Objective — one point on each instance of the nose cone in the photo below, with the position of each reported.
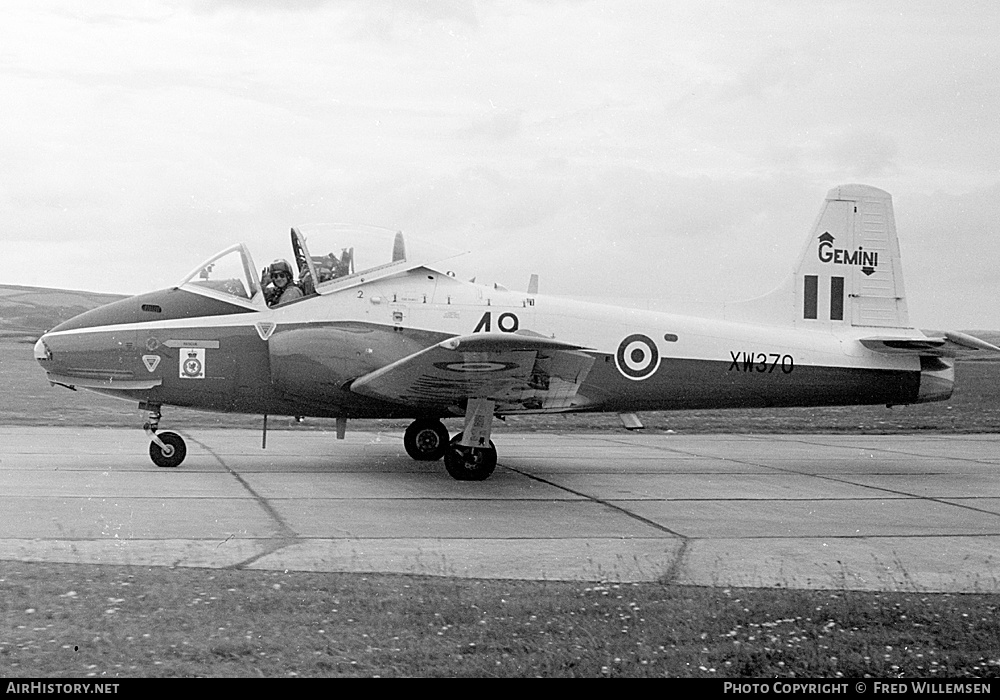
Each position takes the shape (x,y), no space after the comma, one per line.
(81,354)
(42,352)
(44,356)
(98,356)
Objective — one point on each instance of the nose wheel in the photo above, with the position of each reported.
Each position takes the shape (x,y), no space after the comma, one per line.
(165,449)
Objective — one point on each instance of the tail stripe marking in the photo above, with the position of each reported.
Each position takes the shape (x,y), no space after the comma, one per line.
(836,298)
(811,296)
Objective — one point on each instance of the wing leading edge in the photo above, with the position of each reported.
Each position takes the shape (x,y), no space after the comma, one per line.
(521,373)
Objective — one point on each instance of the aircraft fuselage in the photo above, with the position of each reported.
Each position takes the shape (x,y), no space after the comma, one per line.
(177,347)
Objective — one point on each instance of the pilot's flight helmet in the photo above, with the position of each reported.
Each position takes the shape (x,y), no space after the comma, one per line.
(280,266)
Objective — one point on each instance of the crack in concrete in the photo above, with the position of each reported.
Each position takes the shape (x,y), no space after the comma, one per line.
(286,536)
(673,571)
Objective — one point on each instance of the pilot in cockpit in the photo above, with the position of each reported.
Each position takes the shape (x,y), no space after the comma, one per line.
(278,284)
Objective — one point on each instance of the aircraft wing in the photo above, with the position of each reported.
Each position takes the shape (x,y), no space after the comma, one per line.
(951,344)
(521,373)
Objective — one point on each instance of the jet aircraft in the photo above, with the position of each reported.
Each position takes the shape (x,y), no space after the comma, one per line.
(392,334)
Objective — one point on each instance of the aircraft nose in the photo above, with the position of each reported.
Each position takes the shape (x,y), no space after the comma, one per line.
(54,352)
(42,353)
(89,357)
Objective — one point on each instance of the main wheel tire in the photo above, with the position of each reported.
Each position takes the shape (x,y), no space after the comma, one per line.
(470,463)
(174,454)
(426,440)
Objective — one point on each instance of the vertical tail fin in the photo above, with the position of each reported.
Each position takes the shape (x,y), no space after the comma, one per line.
(850,270)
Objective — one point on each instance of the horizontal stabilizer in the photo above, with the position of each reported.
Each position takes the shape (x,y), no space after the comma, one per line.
(952,344)
(925,346)
(967,341)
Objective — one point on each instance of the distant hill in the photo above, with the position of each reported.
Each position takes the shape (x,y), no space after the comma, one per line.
(27,312)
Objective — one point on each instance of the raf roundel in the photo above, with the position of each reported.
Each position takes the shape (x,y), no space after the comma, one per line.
(637,357)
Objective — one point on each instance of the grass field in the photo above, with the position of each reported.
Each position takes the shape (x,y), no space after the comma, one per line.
(109,621)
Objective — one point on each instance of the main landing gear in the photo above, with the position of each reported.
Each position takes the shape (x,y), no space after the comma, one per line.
(426,440)
(166,449)
(470,463)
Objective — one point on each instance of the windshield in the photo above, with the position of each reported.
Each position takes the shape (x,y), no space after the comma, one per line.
(228,275)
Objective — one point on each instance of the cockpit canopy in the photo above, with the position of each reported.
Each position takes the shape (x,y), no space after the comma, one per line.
(326,257)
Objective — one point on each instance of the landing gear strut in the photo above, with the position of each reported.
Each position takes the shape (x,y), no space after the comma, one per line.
(469,463)
(426,440)
(166,449)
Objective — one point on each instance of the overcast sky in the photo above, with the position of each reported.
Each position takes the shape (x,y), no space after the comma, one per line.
(651,149)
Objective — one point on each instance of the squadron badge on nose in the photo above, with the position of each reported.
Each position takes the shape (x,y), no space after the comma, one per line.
(192,363)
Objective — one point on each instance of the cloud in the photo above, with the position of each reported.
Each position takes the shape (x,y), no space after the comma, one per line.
(863,153)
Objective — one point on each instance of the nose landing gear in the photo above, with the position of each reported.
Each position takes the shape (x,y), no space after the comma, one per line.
(166,449)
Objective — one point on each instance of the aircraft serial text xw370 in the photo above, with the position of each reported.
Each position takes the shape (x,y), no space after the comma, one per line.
(394,336)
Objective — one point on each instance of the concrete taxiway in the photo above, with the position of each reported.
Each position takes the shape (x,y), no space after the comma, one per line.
(887,512)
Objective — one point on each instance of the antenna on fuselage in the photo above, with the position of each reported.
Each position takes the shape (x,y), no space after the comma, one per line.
(398,247)
(533,284)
